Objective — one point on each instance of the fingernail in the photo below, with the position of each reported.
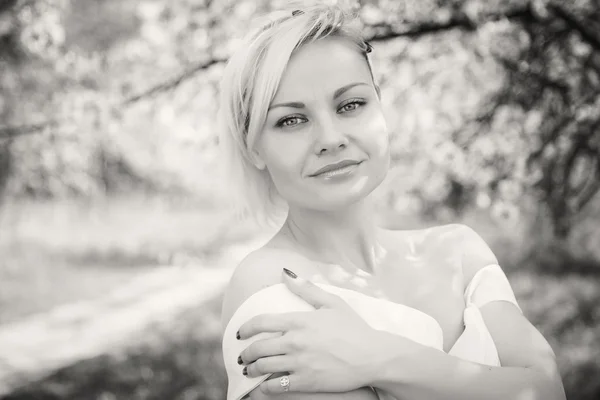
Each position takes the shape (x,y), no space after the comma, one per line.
(290,273)
(237,335)
(245,371)
(240,362)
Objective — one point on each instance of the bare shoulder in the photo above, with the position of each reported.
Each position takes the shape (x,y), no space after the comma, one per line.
(437,239)
(454,244)
(474,252)
(258,270)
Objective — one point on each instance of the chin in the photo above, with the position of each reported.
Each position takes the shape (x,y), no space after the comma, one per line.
(337,198)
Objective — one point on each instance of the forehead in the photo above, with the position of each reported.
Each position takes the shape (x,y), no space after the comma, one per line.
(323,66)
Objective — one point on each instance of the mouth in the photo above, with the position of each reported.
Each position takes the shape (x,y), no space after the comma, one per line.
(336,167)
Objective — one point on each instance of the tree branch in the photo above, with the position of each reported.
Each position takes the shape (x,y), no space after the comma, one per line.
(562,123)
(458,20)
(382,32)
(9,132)
(172,83)
(590,190)
(566,187)
(526,69)
(586,32)
(464,135)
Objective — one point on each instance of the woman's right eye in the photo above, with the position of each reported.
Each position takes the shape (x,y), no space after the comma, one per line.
(289,122)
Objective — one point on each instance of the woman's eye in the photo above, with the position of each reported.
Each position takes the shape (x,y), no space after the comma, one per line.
(351,106)
(291,121)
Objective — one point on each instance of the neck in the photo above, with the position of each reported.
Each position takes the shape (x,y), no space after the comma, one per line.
(347,237)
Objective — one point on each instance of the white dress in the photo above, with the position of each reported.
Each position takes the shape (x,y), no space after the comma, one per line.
(475,344)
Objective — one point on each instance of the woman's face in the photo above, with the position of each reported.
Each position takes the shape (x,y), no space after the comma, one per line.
(326,111)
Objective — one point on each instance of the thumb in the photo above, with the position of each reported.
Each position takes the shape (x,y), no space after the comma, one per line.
(310,292)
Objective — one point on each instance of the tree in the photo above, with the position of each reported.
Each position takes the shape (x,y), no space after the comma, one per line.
(492,102)
(547,106)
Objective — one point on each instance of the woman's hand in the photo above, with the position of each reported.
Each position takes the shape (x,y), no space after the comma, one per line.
(326,350)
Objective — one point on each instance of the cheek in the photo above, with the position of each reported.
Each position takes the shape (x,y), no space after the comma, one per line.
(376,136)
(284,157)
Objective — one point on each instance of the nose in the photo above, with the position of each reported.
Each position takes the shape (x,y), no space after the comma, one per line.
(329,137)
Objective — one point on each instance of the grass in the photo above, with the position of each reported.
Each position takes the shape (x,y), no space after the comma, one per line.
(180,362)
(556,286)
(58,252)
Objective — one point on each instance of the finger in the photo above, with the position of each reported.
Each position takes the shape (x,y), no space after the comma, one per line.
(282,322)
(269,365)
(310,292)
(273,385)
(263,348)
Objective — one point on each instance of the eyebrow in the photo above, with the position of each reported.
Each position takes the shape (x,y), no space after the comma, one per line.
(336,94)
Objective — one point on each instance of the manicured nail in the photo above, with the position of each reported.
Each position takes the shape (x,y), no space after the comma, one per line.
(237,335)
(245,371)
(290,273)
(240,362)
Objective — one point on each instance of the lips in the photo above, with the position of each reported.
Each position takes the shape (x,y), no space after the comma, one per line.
(335,166)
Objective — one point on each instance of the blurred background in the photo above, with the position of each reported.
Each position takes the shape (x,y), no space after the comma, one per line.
(115,246)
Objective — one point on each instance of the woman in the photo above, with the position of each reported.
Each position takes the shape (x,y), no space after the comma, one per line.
(334,307)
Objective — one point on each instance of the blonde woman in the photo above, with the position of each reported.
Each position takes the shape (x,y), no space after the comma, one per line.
(333,306)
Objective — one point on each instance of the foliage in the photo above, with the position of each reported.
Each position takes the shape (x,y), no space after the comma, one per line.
(493,103)
(513,90)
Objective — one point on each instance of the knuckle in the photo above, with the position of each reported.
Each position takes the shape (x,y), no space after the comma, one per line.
(288,343)
(258,367)
(246,354)
(265,388)
(265,318)
(308,285)
(296,343)
(298,321)
(254,320)
(262,322)
(294,323)
(254,323)
(299,361)
(252,352)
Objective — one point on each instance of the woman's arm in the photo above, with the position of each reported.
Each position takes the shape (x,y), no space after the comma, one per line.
(408,370)
(528,371)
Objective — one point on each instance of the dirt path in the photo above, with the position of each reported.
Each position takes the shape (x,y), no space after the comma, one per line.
(33,347)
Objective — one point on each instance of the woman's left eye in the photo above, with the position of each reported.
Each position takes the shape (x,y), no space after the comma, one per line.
(351,106)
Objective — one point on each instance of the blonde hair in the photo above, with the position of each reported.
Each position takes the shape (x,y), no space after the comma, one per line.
(249,84)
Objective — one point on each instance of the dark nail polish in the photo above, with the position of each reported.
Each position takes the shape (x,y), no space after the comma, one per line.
(290,273)
(245,371)
(237,335)
(240,362)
